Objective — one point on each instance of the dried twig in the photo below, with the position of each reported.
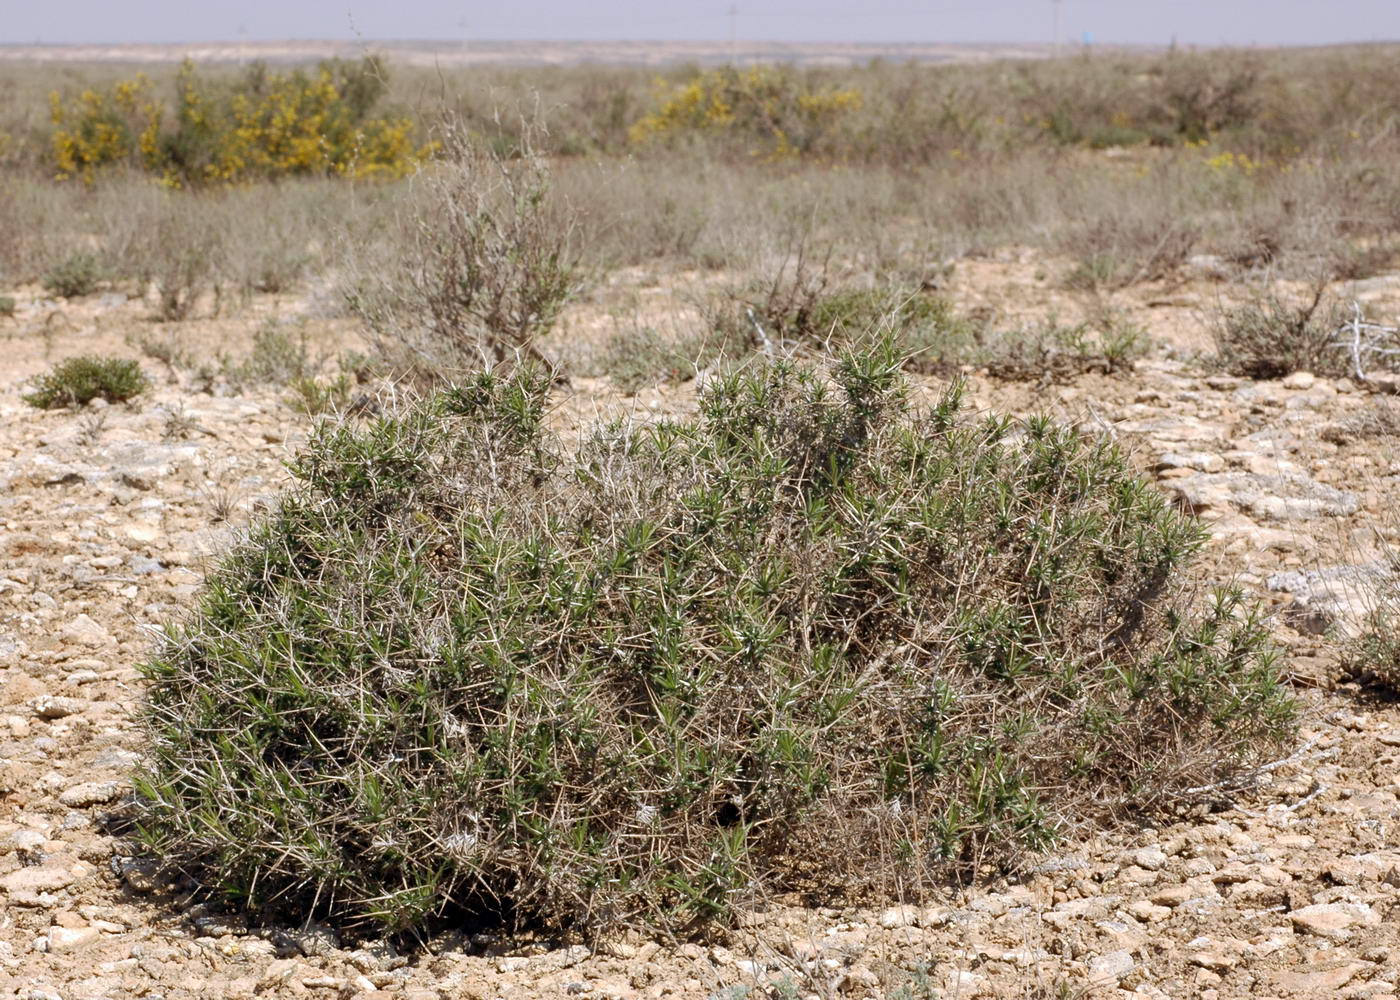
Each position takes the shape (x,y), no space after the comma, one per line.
(1365,340)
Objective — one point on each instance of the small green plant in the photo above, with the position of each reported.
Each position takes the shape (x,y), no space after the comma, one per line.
(278,357)
(165,346)
(80,273)
(315,399)
(813,633)
(1374,655)
(7,305)
(78,380)
(925,328)
(801,304)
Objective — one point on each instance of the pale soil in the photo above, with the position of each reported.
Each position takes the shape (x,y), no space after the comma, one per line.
(1288,889)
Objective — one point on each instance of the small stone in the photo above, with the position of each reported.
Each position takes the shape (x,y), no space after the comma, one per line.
(83,631)
(1333,920)
(1318,980)
(1300,380)
(1110,968)
(56,707)
(90,793)
(317,939)
(1150,858)
(35,880)
(278,973)
(70,938)
(899,916)
(139,874)
(1172,895)
(1215,955)
(1148,913)
(28,843)
(1200,461)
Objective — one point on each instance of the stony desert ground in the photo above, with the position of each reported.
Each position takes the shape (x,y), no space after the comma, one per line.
(1286,887)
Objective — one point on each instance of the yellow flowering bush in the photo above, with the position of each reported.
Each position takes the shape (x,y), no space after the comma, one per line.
(264,125)
(98,129)
(767,105)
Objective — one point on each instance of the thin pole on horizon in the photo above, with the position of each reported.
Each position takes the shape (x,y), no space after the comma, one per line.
(733,34)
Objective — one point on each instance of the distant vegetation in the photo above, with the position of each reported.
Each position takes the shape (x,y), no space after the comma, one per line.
(260,125)
(1125,167)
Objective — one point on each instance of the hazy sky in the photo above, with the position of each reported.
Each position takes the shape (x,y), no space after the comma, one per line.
(1243,22)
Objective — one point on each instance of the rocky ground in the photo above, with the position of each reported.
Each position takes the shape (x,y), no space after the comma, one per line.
(1289,888)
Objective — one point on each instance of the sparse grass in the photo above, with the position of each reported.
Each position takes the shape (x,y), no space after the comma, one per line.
(178,254)
(165,346)
(813,638)
(639,357)
(78,380)
(936,162)
(1379,420)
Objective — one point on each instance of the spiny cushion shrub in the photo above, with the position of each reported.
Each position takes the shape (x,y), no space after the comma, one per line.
(813,637)
(78,380)
(261,125)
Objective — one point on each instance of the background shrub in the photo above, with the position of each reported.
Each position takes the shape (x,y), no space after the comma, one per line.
(489,264)
(79,273)
(813,638)
(79,380)
(260,125)
(770,110)
(1270,337)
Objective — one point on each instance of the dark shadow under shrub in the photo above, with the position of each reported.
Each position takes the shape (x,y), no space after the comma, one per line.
(814,637)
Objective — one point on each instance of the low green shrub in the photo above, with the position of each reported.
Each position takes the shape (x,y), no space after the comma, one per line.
(1374,655)
(80,273)
(314,398)
(7,305)
(278,357)
(812,638)
(78,380)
